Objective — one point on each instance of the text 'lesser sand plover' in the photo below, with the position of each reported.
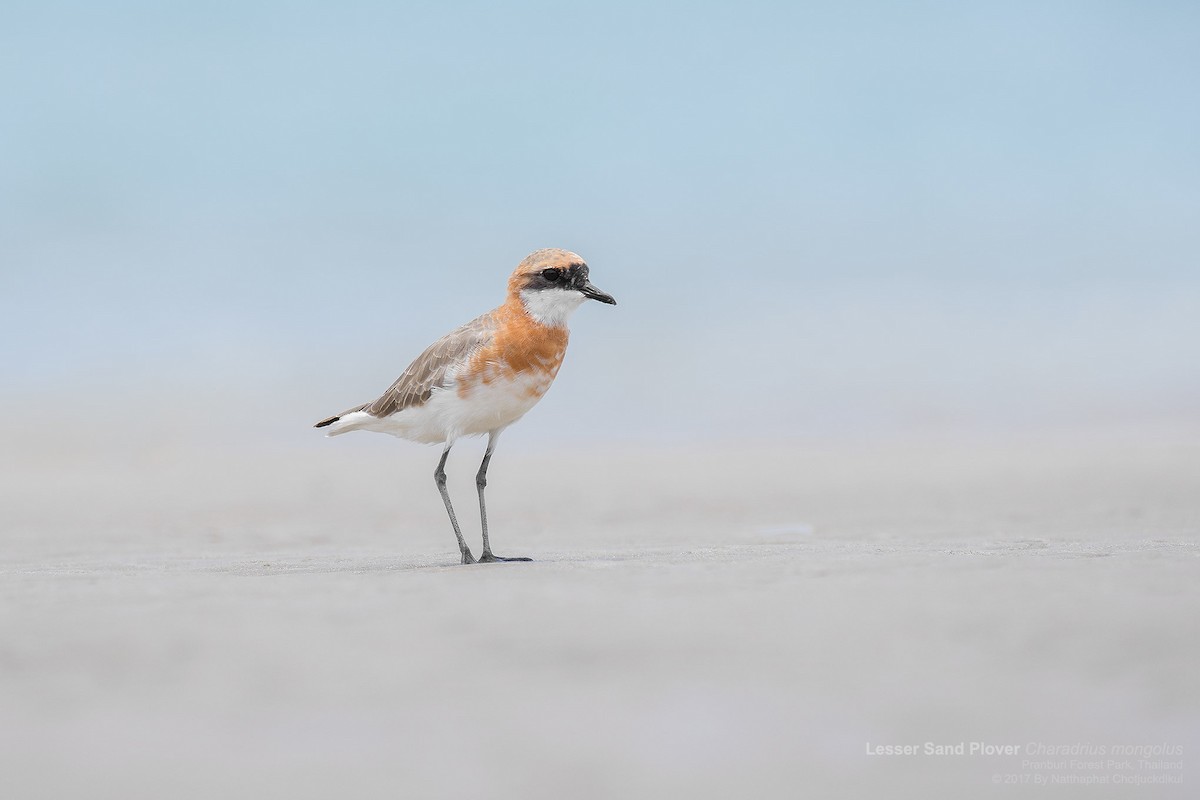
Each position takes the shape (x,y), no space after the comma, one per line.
(484,376)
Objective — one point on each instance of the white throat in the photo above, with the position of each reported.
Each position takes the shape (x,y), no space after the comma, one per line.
(552,307)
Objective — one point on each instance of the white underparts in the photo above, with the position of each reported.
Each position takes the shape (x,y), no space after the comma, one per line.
(552,306)
(448,415)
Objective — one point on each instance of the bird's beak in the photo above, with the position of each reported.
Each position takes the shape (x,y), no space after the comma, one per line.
(591,291)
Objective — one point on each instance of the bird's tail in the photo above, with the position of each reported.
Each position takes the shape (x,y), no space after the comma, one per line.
(339,423)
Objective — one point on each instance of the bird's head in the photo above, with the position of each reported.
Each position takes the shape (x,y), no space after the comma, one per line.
(552,283)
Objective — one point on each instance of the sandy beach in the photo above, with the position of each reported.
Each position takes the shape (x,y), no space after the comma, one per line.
(726,620)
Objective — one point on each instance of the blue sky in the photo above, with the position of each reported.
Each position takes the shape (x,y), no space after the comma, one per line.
(834,215)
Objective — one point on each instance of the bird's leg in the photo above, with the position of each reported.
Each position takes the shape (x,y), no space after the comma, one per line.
(439,476)
(480,483)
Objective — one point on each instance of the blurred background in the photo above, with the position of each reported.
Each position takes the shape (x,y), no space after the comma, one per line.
(893,437)
(819,218)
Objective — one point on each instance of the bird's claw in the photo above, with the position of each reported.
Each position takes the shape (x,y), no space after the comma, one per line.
(491,558)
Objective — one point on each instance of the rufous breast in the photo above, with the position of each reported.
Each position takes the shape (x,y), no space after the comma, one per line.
(523,356)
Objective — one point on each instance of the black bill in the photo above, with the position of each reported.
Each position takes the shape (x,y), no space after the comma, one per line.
(595,294)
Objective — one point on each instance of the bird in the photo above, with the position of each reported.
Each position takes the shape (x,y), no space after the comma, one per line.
(483,376)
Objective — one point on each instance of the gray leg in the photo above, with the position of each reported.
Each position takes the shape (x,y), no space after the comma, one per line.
(480,483)
(439,476)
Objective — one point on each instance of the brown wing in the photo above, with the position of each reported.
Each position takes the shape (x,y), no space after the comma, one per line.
(428,372)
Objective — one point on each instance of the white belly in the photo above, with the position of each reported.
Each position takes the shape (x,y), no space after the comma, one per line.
(448,415)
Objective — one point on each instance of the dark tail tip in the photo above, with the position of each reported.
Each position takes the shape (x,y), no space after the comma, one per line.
(325,422)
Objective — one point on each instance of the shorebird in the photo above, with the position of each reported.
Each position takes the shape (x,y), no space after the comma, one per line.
(484,376)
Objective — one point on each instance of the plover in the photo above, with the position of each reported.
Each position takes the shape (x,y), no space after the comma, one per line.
(484,376)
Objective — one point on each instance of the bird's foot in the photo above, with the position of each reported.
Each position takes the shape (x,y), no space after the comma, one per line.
(467,558)
(491,558)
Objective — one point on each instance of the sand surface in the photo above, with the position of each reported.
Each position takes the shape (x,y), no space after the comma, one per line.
(725,620)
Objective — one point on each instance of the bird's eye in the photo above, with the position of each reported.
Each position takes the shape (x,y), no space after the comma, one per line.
(551,274)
